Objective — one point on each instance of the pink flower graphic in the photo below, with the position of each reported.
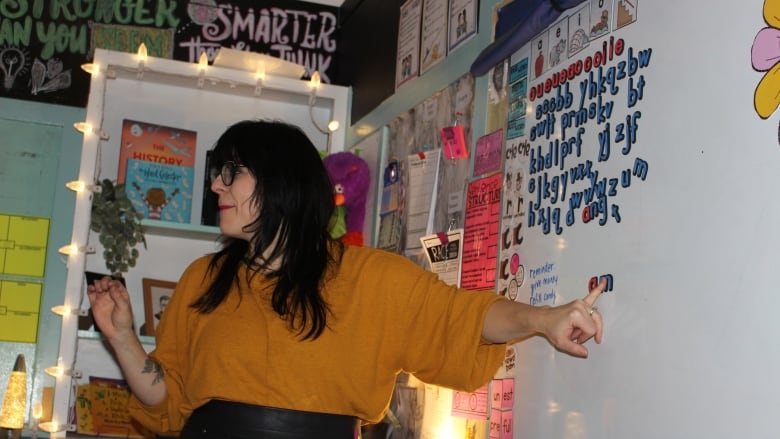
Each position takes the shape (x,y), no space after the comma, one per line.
(765,55)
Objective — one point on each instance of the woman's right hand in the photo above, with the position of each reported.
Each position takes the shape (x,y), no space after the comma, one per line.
(114,316)
(111,308)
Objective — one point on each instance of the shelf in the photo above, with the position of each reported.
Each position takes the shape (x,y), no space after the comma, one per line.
(95,335)
(180,230)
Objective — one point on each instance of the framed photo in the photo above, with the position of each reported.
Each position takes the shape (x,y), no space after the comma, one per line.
(157,294)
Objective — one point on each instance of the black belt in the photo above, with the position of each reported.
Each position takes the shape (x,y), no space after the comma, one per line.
(224,419)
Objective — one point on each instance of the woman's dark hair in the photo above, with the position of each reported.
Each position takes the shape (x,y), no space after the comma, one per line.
(295,202)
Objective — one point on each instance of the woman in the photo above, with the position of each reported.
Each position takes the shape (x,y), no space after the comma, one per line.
(287,333)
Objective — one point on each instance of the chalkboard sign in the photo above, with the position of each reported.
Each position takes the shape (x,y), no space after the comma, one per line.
(643,158)
(44,43)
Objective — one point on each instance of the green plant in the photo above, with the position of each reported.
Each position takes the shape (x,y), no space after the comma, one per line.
(118,225)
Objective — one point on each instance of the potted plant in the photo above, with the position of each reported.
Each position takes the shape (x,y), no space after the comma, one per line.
(118,225)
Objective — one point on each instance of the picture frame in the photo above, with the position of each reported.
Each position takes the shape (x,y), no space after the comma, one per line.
(157,294)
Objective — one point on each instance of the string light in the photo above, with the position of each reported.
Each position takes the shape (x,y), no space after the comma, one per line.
(80,186)
(58,371)
(315,81)
(91,68)
(142,52)
(54,427)
(72,249)
(260,75)
(63,310)
(86,128)
(142,55)
(203,64)
(37,413)
(260,72)
(314,84)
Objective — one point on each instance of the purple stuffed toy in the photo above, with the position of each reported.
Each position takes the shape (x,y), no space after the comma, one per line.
(350,177)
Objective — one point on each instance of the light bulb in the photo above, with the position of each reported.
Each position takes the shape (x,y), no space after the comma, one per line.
(314,82)
(70,249)
(333,125)
(142,53)
(55,371)
(86,128)
(63,310)
(76,186)
(203,62)
(80,186)
(260,72)
(59,371)
(83,127)
(92,69)
(51,427)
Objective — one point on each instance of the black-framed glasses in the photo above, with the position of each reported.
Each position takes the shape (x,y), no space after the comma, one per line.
(227,172)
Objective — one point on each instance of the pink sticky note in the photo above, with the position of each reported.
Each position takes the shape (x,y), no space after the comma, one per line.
(507,421)
(496,394)
(495,424)
(508,393)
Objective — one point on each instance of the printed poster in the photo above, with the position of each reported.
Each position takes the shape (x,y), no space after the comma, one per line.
(480,238)
(423,185)
(487,157)
(463,22)
(407,63)
(443,251)
(433,45)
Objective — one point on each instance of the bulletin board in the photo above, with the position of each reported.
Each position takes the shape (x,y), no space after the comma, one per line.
(417,131)
(641,158)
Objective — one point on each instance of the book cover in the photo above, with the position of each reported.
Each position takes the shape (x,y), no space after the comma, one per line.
(157,144)
(159,191)
(101,409)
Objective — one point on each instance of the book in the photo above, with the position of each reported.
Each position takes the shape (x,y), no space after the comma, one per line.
(156,164)
(155,143)
(160,192)
(101,409)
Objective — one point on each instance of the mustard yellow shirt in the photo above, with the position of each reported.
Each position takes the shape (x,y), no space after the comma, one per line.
(388,316)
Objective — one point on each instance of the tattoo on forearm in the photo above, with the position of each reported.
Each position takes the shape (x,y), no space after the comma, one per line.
(152,366)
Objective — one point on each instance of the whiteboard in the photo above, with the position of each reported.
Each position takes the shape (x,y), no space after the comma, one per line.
(690,347)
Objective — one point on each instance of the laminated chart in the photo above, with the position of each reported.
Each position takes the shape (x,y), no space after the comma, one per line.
(20,304)
(23,241)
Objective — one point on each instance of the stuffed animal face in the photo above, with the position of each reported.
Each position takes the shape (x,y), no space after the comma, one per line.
(350,177)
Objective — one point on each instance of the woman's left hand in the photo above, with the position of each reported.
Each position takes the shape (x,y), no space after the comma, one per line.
(569,326)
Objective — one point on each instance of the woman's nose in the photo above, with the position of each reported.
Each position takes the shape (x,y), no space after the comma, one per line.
(216,185)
